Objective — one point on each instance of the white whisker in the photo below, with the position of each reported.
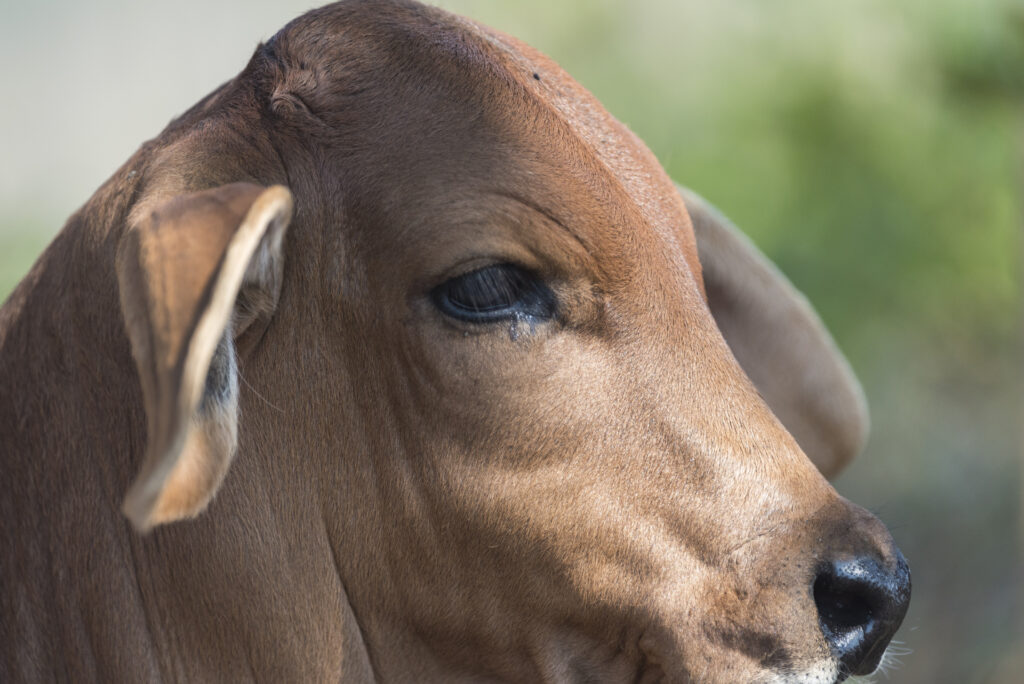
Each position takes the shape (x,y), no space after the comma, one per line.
(890,662)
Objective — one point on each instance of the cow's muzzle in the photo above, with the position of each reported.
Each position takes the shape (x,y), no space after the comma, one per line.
(861,603)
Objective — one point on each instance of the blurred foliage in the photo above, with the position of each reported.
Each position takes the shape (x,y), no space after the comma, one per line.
(873,148)
(19,248)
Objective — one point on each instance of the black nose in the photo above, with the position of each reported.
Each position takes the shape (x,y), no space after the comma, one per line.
(860,606)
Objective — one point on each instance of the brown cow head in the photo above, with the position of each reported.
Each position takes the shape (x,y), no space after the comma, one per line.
(484,361)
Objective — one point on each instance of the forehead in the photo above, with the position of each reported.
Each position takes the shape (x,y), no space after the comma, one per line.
(458,107)
(621,173)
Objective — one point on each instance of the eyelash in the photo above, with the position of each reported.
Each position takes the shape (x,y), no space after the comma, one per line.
(495,293)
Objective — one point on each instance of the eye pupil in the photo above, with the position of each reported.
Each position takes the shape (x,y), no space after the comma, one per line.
(494,293)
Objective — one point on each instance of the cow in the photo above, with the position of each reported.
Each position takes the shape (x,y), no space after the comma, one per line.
(397,358)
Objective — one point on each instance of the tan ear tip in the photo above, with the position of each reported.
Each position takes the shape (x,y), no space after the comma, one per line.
(146,512)
(138,510)
(280,198)
(142,503)
(280,191)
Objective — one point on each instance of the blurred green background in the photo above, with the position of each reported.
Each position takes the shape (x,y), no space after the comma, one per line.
(873,148)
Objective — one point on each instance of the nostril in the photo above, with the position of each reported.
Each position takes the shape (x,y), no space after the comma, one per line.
(860,606)
(840,609)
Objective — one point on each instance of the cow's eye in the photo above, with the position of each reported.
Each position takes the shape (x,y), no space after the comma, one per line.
(495,293)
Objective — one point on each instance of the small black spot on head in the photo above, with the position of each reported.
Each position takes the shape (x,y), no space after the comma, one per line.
(536,76)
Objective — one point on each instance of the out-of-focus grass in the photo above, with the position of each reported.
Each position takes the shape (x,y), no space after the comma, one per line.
(873,149)
(21,242)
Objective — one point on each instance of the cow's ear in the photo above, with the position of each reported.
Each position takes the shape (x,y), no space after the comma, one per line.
(193,272)
(780,342)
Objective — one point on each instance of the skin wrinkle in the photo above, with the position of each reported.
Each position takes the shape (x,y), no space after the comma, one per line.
(599,497)
(546,213)
(362,640)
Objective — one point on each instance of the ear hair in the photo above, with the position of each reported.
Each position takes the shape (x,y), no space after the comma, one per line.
(180,271)
(780,342)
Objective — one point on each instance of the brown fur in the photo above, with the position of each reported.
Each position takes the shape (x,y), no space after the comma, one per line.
(604,497)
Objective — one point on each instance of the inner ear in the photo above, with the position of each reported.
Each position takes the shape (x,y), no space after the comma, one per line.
(196,272)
